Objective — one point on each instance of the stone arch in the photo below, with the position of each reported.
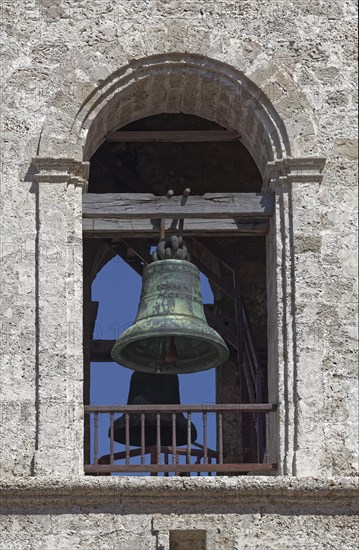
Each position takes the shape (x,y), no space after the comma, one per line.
(76,125)
(188,83)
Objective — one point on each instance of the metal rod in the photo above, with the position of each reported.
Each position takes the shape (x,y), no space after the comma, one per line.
(180,233)
(250,362)
(127,423)
(174,442)
(142,438)
(239,321)
(205,454)
(162,229)
(95,439)
(189,438)
(185,194)
(111,439)
(158,434)
(220,438)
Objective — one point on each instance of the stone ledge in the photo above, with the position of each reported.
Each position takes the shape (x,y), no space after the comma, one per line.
(100,491)
(61,170)
(293,170)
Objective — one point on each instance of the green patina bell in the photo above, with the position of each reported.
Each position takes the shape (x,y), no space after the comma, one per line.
(170,334)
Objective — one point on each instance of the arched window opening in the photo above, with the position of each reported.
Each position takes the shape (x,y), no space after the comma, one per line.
(160,156)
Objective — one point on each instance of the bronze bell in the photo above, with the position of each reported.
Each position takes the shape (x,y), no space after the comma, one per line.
(149,389)
(170,334)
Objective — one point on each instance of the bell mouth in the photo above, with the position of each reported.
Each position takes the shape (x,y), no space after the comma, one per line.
(143,349)
(151,432)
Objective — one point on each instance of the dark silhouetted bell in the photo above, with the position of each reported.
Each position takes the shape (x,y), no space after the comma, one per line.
(153,389)
(170,334)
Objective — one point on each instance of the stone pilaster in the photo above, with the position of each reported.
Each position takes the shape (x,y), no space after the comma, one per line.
(294,296)
(59,368)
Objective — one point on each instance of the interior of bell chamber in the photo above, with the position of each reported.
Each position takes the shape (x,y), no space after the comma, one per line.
(204,167)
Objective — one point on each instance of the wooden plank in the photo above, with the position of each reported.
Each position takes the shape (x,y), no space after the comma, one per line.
(111,227)
(146,205)
(173,136)
(212,407)
(250,467)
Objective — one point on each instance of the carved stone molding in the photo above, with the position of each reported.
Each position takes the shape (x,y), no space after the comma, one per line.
(253,490)
(291,170)
(61,170)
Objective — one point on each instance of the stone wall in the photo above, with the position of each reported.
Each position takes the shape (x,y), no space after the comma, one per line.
(283,75)
(138,514)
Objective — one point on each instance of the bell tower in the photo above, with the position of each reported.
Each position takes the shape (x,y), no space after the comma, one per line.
(222,130)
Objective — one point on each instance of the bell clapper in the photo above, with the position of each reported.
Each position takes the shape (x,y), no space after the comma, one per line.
(172,355)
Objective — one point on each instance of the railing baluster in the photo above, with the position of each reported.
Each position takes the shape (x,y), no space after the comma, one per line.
(111,439)
(166,474)
(260,426)
(158,434)
(198,457)
(189,438)
(266,459)
(220,438)
(174,442)
(95,439)
(205,453)
(153,460)
(127,424)
(142,438)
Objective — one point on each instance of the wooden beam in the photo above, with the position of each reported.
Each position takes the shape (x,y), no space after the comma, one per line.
(112,228)
(173,136)
(148,206)
(180,468)
(211,265)
(100,351)
(122,250)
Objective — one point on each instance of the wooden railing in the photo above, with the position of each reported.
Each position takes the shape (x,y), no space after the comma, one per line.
(158,458)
